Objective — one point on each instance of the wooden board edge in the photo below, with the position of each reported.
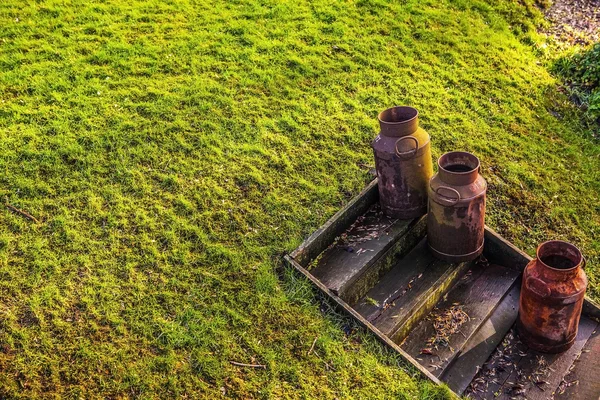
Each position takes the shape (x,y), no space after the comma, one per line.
(426,301)
(342,305)
(501,251)
(591,309)
(364,281)
(324,236)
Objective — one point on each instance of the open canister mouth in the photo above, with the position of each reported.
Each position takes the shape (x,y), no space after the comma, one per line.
(398,121)
(559,256)
(458,168)
(398,115)
(458,162)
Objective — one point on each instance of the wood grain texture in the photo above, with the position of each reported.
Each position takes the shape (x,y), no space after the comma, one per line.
(370,276)
(502,252)
(374,272)
(527,373)
(391,293)
(409,291)
(481,345)
(316,243)
(583,381)
(371,236)
(478,293)
(444,276)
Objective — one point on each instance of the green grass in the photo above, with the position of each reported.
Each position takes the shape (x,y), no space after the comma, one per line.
(174,150)
(580,70)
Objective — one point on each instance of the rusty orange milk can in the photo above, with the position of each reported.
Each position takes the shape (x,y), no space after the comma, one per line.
(403,163)
(455,221)
(552,295)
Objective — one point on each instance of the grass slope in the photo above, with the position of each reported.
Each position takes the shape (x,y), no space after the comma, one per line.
(173,150)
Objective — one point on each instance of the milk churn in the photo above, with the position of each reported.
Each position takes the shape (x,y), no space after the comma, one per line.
(403,163)
(455,220)
(552,295)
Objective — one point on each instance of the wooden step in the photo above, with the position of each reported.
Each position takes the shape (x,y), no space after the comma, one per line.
(474,298)
(582,382)
(514,371)
(409,291)
(355,262)
(480,346)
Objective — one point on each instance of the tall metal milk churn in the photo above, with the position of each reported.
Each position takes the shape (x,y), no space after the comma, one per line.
(403,163)
(552,296)
(455,220)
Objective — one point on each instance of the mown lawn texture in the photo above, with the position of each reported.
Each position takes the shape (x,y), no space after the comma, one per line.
(172,151)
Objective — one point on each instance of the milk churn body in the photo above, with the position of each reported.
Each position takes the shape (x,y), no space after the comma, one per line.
(455,220)
(403,163)
(552,296)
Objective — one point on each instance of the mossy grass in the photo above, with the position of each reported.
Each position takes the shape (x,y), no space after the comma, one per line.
(174,150)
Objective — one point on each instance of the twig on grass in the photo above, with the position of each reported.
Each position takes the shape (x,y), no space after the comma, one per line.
(19,211)
(248,365)
(312,347)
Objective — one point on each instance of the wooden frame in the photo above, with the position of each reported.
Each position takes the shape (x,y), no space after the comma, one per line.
(497,249)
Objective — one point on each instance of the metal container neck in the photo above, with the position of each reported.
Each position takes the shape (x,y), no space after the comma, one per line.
(560,261)
(458,168)
(398,121)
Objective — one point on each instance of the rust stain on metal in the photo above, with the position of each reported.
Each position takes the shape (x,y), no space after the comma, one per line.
(403,163)
(455,220)
(552,296)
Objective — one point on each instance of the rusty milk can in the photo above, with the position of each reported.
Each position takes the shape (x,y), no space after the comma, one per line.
(403,163)
(455,220)
(552,295)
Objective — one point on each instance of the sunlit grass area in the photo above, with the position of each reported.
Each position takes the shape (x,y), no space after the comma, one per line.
(173,151)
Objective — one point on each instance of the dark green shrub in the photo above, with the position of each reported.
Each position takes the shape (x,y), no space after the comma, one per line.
(581,73)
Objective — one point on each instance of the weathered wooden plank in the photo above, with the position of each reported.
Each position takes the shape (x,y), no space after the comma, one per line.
(372,235)
(479,347)
(476,295)
(370,276)
(502,252)
(345,307)
(396,286)
(582,382)
(591,309)
(497,368)
(441,277)
(316,243)
(409,291)
(527,373)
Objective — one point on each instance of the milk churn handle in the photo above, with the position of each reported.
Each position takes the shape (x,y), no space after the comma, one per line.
(538,286)
(453,201)
(410,153)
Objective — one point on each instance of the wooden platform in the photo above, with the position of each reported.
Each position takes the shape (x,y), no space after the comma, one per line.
(454,322)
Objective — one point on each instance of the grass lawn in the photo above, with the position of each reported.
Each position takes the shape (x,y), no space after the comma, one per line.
(173,150)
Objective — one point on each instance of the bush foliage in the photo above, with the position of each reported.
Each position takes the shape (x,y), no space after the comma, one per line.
(581,73)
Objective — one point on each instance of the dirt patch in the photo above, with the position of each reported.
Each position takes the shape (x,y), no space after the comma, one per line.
(28,318)
(574,22)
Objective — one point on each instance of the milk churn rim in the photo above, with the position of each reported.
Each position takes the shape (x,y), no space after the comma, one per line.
(406,121)
(460,152)
(581,258)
